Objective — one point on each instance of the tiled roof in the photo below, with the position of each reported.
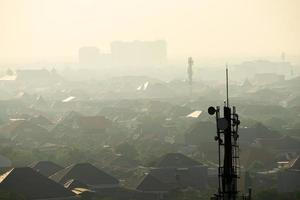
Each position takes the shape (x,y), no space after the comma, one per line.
(176,160)
(47,168)
(86,173)
(31,184)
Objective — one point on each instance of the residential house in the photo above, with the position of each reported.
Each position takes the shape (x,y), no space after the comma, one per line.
(289,179)
(47,168)
(174,171)
(165,179)
(42,121)
(24,132)
(86,173)
(32,185)
(200,132)
(84,125)
(286,144)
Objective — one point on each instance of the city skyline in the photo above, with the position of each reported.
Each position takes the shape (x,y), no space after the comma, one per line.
(33,30)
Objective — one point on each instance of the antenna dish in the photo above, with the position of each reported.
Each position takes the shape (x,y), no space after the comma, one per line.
(211,110)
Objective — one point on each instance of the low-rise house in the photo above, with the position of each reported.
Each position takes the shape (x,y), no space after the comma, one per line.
(174,171)
(286,144)
(200,132)
(86,173)
(47,168)
(249,135)
(24,131)
(118,113)
(262,155)
(176,160)
(93,124)
(166,179)
(289,179)
(84,125)
(32,185)
(42,121)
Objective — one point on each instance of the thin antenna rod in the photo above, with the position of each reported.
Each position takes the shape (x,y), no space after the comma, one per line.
(227,98)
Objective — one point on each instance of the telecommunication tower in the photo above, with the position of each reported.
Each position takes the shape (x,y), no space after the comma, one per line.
(190,70)
(190,74)
(228,148)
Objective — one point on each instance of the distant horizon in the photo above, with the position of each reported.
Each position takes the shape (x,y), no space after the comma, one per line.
(73,59)
(40,29)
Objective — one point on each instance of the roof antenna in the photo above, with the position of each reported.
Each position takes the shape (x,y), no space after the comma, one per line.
(227,96)
(228,150)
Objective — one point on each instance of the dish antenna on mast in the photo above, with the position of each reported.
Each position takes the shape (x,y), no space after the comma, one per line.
(228,148)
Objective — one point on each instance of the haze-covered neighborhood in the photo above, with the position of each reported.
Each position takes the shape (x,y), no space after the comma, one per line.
(140,137)
(149,100)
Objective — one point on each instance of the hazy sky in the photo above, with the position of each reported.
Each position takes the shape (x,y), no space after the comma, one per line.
(50,28)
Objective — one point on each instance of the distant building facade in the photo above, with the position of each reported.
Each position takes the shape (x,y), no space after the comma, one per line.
(264,69)
(126,54)
(139,53)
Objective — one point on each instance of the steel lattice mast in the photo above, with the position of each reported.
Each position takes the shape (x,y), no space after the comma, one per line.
(228,148)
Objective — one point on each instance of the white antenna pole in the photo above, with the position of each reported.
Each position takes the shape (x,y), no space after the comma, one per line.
(227,96)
